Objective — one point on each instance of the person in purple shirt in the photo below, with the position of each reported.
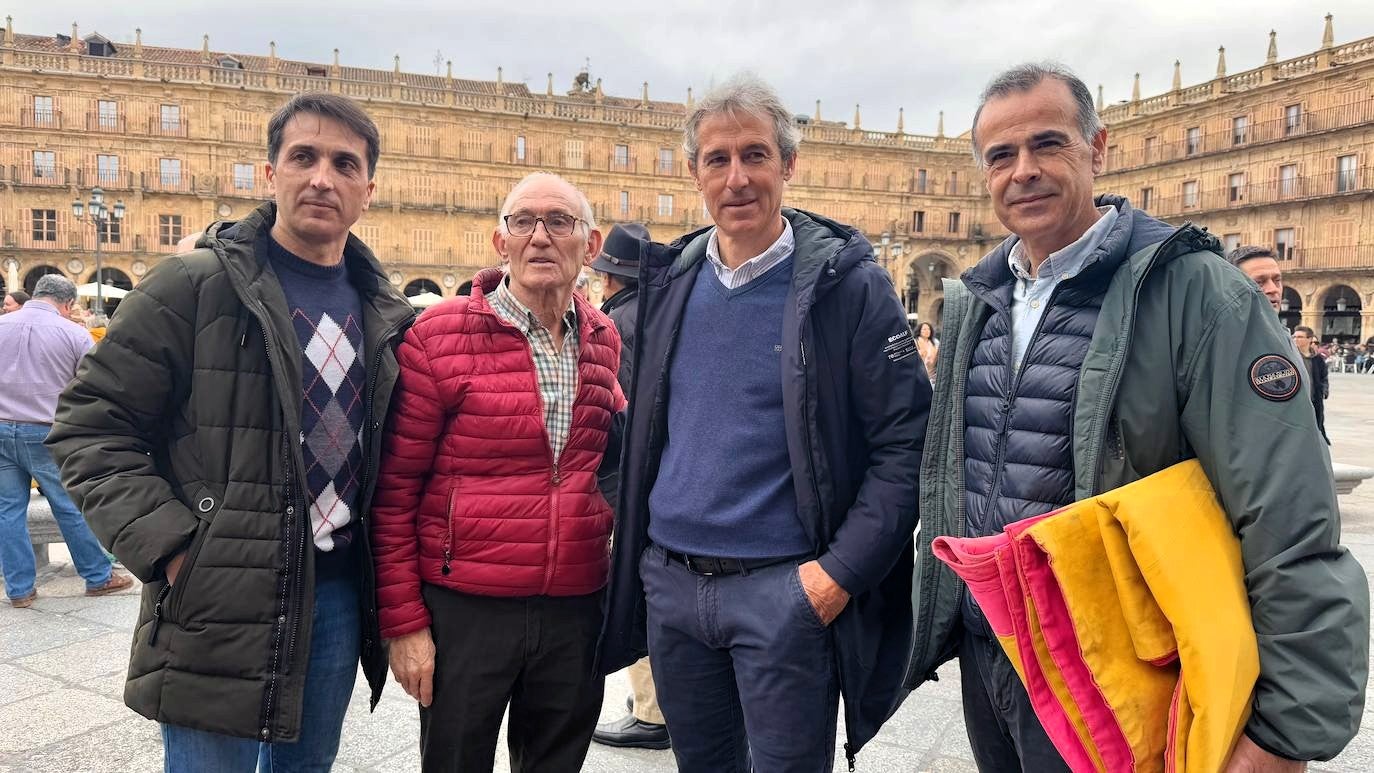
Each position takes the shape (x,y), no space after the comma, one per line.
(39,351)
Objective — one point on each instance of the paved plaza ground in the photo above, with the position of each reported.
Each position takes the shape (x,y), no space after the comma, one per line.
(62,671)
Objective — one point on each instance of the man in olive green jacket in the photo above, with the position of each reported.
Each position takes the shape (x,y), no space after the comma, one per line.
(223,442)
(1148,349)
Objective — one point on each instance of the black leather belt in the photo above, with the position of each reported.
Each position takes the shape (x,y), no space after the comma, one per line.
(711,567)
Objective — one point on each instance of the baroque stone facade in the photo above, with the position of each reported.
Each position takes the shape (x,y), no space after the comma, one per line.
(179,136)
(1279,154)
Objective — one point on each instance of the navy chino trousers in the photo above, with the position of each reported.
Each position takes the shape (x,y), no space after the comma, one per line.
(746,673)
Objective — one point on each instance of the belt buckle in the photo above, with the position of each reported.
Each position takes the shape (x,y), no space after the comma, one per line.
(692,567)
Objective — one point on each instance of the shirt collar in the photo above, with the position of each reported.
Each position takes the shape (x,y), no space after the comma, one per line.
(41,306)
(1068,261)
(521,314)
(780,249)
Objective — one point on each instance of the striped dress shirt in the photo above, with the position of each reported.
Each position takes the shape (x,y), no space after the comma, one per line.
(754,267)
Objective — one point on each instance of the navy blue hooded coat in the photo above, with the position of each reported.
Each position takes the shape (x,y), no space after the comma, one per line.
(855,397)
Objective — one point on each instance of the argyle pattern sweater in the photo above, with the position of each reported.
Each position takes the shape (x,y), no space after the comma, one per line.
(326,312)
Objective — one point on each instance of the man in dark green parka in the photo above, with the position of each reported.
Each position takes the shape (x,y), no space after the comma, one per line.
(223,443)
(1097,346)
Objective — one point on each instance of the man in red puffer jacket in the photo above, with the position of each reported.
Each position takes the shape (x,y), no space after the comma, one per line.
(491,538)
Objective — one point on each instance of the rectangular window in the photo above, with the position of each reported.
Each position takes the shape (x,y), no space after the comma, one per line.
(43,112)
(1292,119)
(665,205)
(45,225)
(572,154)
(422,188)
(369,234)
(665,160)
(1113,159)
(954,183)
(473,194)
(1147,198)
(1345,174)
(472,244)
(922,179)
(107,169)
(169,172)
(1240,130)
(520,148)
(1235,187)
(918,221)
(110,231)
(422,242)
(171,118)
(1283,243)
(1190,193)
(1230,242)
(1193,140)
(1288,180)
(168,230)
(243,177)
(621,158)
(624,203)
(1150,143)
(107,114)
(44,165)
(954,222)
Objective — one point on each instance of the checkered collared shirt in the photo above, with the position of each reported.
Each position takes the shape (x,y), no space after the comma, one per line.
(556,370)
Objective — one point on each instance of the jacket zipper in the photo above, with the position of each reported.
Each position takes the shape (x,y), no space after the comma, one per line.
(374,427)
(1118,365)
(157,613)
(958,527)
(1009,400)
(286,596)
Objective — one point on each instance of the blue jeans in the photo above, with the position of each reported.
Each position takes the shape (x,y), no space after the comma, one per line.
(329,677)
(24,458)
(746,673)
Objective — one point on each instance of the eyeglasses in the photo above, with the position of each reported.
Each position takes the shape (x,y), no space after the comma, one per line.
(522,224)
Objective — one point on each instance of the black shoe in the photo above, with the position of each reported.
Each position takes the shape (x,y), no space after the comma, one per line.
(632,734)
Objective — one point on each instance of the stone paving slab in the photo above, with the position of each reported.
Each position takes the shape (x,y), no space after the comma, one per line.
(62,664)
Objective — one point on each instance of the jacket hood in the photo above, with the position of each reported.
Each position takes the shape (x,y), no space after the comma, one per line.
(1133,231)
(825,251)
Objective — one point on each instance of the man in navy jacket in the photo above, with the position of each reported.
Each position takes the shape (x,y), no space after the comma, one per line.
(768,484)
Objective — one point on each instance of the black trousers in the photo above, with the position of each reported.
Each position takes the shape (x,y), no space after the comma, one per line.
(1002,727)
(534,654)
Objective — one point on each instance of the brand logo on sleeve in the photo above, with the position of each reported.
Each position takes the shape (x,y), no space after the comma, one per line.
(1274,377)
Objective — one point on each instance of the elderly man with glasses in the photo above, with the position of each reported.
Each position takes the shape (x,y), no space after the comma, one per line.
(491,535)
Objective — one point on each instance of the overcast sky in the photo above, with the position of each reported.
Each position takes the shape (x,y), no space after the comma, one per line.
(926,55)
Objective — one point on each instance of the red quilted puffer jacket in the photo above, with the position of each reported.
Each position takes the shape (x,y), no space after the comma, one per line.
(469,496)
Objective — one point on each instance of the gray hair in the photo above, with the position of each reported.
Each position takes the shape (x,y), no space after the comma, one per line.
(1024,77)
(587,214)
(56,287)
(748,94)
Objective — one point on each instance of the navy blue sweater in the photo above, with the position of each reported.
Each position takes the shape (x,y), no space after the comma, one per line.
(725,484)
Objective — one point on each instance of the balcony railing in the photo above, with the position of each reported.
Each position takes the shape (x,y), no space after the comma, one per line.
(98,122)
(159,127)
(40,119)
(1261,132)
(1271,192)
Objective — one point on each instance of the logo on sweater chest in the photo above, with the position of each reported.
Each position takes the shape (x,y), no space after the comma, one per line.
(1274,378)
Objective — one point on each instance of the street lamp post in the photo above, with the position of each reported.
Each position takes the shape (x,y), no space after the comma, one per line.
(97,213)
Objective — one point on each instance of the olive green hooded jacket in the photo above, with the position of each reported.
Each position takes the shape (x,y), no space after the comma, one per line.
(180,432)
(1180,366)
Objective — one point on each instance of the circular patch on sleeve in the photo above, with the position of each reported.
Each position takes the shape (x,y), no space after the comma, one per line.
(1274,377)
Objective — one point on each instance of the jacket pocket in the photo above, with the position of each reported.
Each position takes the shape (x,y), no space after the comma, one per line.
(204,505)
(446,569)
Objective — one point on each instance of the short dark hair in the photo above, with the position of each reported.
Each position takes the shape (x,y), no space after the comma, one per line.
(342,109)
(1248,252)
(20,297)
(1023,78)
(1305,329)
